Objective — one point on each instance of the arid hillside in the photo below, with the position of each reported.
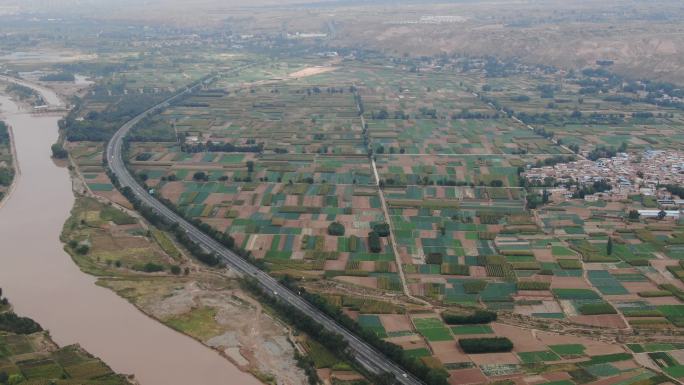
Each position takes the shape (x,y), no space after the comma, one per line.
(643,38)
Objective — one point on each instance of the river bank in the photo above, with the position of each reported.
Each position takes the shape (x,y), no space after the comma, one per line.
(48,287)
(15,166)
(198,301)
(29,354)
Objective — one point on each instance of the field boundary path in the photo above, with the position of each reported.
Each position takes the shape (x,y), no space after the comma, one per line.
(363,353)
(385,210)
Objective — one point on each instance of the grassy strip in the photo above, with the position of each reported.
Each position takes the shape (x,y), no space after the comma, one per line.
(655,293)
(166,244)
(606,358)
(476,317)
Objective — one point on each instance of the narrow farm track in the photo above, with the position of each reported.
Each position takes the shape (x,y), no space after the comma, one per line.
(364,354)
(605,334)
(388,219)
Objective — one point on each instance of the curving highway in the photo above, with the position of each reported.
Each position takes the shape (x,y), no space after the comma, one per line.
(364,354)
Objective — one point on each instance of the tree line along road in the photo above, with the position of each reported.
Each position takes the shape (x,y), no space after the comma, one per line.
(364,354)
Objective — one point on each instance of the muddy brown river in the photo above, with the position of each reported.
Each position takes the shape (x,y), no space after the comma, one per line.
(43,282)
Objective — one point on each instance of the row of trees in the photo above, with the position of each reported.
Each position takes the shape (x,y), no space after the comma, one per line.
(576,117)
(380,149)
(606,152)
(598,186)
(24,93)
(431,376)
(477,317)
(221,147)
(426,181)
(100,125)
(209,259)
(675,190)
(486,345)
(431,113)
(6,174)
(4,133)
(181,236)
(58,77)
(466,114)
(332,341)
(308,365)
(554,160)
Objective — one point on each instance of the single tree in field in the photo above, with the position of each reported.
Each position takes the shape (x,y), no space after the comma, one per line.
(200,176)
(633,215)
(336,229)
(609,246)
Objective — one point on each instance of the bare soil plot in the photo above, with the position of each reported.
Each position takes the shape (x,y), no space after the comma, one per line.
(494,358)
(395,322)
(523,340)
(569,283)
(311,71)
(409,342)
(607,320)
(466,377)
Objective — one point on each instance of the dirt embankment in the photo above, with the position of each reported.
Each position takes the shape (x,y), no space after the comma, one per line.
(213,310)
(205,304)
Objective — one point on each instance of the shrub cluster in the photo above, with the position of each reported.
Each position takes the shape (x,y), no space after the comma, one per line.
(10,322)
(477,317)
(435,258)
(382,229)
(58,152)
(374,244)
(336,229)
(474,286)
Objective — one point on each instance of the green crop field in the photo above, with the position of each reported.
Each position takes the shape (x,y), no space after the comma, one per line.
(675,371)
(418,353)
(541,356)
(575,294)
(471,329)
(448,169)
(432,329)
(568,349)
(380,176)
(372,322)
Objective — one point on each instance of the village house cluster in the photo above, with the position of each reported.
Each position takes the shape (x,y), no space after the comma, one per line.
(627,174)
